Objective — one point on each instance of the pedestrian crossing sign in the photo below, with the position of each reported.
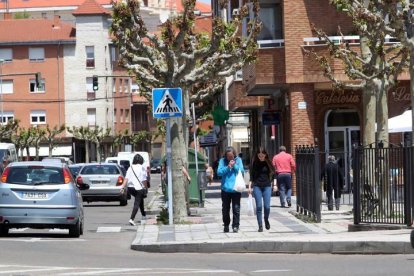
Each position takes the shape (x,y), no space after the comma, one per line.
(167,102)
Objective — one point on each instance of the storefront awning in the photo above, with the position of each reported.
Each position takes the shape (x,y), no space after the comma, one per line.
(44,151)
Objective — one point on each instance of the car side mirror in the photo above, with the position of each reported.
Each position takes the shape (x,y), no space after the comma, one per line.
(83,186)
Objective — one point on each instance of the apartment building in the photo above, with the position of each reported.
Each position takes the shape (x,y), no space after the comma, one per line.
(289,100)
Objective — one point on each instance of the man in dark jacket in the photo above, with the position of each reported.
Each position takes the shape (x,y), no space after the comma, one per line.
(333,182)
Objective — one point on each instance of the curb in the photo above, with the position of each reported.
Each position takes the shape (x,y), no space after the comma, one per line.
(284,247)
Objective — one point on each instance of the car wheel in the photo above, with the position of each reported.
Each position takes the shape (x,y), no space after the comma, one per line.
(4,231)
(123,202)
(81,228)
(75,230)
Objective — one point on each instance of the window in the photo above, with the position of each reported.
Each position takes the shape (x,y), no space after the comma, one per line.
(126,85)
(34,89)
(126,115)
(38,117)
(91,116)
(6,55)
(7,116)
(114,85)
(90,56)
(36,54)
(271,17)
(6,87)
(89,85)
(121,116)
(114,115)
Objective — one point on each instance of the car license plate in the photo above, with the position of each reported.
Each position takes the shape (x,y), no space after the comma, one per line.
(34,195)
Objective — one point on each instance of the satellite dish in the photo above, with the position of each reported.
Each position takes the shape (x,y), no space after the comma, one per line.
(164,15)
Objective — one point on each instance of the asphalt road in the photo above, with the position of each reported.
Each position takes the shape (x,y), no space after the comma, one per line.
(104,249)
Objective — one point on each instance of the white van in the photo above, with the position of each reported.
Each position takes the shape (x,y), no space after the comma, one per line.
(8,152)
(126,155)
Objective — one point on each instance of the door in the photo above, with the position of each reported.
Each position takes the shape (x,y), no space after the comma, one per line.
(342,134)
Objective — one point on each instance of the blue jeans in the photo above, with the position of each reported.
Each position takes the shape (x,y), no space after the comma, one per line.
(262,197)
(284,183)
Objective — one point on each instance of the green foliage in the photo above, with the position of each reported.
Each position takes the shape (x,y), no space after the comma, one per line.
(163,216)
(21,15)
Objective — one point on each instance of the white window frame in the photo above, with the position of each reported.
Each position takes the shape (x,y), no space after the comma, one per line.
(6,54)
(37,54)
(126,86)
(7,116)
(90,56)
(6,87)
(91,115)
(114,85)
(89,85)
(38,115)
(121,116)
(33,88)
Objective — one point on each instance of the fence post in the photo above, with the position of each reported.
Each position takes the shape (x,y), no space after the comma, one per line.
(317,186)
(357,190)
(408,186)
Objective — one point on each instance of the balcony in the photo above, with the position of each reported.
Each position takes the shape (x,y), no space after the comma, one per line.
(139,126)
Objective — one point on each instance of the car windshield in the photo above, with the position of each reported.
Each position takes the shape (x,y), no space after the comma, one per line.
(155,162)
(75,169)
(35,175)
(100,169)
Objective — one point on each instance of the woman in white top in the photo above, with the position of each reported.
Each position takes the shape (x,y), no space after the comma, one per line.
(136,179)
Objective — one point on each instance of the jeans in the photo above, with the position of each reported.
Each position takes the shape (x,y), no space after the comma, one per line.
(139,196)
(284,182)
(234,199)
(262,197)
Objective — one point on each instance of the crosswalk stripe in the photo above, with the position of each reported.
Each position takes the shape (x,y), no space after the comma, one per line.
(102,229)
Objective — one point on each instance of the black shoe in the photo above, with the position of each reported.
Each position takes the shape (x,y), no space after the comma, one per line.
(260,229)
(289,203)
(235,229)
(226,229)
(267,224)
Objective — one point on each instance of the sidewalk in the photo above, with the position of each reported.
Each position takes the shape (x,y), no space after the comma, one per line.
(204,233)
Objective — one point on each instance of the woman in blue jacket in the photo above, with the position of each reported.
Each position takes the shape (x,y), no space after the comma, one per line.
(228,168)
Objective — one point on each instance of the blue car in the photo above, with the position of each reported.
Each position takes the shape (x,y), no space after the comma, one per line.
(40,195)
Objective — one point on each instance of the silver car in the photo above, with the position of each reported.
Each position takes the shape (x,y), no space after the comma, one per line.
(40,195)
(104,180)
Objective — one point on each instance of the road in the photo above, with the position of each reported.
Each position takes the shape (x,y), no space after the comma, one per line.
(104,249)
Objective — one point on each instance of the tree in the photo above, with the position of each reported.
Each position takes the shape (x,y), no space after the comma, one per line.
(51,134)
(37,135)
(82,133)
(7,130)
(375,68)
(97,135)
(180,57)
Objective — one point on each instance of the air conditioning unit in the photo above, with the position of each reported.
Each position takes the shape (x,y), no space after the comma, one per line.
(235,12)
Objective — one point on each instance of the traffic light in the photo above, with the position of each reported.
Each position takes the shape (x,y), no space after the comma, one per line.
(38,80)
(95,86)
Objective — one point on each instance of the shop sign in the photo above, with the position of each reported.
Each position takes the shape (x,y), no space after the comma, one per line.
(337,97)
(401,94)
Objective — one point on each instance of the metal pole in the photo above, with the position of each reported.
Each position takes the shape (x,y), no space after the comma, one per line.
(169,176)
(200,201)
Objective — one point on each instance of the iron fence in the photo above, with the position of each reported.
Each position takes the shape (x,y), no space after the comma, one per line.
(383,181)
(308,181)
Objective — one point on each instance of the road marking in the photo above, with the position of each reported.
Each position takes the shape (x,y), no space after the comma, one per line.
(32,270)
(270,270)
(18,229)
(102,229)
(105,271)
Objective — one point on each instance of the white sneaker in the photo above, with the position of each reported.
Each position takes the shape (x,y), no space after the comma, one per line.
(132,222)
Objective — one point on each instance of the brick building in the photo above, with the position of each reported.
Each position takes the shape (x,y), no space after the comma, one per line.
(289,100)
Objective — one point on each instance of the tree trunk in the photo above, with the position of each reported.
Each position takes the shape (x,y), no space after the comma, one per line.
(27,153)
(98,151)
(50,149)
(382,112)
(411,70)
(369,107)
(178,160)
(86,151)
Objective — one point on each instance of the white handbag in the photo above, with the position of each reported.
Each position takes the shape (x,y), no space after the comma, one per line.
(239,185)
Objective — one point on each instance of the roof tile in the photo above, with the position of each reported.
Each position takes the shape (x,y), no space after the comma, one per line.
(90,7)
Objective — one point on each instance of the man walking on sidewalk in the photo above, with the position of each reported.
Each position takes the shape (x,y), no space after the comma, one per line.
(284,167)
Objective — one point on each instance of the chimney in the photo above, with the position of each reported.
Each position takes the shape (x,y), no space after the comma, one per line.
(7,16)
(56,21)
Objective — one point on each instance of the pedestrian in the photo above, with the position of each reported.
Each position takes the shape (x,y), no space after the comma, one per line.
(228,168)
(284,166)
(136,181)
(333,182)
(261,176)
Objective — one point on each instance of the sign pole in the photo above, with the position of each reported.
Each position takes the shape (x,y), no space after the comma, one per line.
(169,176)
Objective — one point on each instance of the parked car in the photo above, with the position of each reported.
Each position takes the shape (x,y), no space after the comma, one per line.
(104,180)
(75,168)
(155,166)
(40,195)
(64,160)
